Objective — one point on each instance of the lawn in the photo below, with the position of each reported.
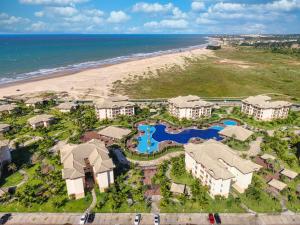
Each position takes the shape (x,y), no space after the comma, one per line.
(12,180)
(265,72)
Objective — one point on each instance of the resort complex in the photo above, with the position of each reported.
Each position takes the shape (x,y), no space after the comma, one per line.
(219,167)
(122,155)
(261,107)
(112,107)
(189,107)
(85,164)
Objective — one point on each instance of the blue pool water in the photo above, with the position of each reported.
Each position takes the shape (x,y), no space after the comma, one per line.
(229,122)
(216,127)
(149,141)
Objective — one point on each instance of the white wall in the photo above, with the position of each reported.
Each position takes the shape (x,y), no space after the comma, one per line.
(105,179)
(75,187)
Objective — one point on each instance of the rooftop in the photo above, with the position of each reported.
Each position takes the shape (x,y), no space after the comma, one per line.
(114,102)
(66,105)
(177,188)
(114,132)
(73,158)
(34,100)
(289,173)
(189,101)
(267,156)
(40,118)
(264,101)
(7,107)
(216,156)
(277,184)
(4,126)
(236,132)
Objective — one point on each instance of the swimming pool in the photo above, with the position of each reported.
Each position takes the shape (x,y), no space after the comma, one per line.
(229,122)
(149,141)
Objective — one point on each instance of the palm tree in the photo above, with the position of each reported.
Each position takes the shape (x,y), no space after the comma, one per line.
(12,167)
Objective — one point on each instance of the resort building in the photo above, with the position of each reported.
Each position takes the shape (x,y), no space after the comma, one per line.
(4,128)
(236,132)
(84,165)
(219,167)
(113,107)
(261,107)
(66,107)
(289,174)
(7,108)
(277,185)
(43,120)
(114,133)
(5,156)
(33,102)
(189,107)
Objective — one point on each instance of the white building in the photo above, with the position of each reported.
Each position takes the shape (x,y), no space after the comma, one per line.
(189,107)
(262,108)
(113,107)
(83,162)
(219,167)
(66,107)
(5,156)
(43,120)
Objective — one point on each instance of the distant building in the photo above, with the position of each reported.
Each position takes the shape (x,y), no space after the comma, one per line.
(66,107)
(178,188)
(189,107)
(277,185)
(4,128)
(43,120)
(5,156)
(219,167)
(33,102)
(289,173)
(7,108)
(85,162)
(113,107)
(261,107)
(236,132)
(115,133)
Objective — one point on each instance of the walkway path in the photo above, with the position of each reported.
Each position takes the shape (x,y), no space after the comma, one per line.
(25,178)
(94,202)
(158,161)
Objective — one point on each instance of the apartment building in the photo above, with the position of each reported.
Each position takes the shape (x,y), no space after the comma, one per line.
(219,167)
(113,107)
(189,107)
(261,107)
(85,165)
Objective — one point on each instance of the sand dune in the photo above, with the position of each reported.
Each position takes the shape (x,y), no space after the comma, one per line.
(95,83)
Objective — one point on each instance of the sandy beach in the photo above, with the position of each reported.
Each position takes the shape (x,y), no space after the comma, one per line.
(95,83)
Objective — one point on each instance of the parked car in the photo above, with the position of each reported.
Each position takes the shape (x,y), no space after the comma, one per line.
(5,218)
(137,219)
(156,219)
(217,218)
(91,217)
(211,218)
(83,219)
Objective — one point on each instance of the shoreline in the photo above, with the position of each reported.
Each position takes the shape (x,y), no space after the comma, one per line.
(101,64)
(96,82)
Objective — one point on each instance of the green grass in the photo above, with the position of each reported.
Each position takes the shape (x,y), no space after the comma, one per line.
(267,73)
(79,205)
(12,180)
(222,206)
(266,204)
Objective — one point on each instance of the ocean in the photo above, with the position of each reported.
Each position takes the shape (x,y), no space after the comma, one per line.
(27,56)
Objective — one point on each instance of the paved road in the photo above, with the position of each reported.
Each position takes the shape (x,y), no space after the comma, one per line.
(171,219)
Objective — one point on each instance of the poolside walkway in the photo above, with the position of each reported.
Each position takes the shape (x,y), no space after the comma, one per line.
(158,161)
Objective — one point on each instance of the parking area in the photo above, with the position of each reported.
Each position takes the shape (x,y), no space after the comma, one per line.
(165,219)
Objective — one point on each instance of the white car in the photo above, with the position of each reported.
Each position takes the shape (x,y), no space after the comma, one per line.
(137,219)
(83,219)
(156,219)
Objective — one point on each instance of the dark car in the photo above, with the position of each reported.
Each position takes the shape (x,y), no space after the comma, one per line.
(211,218)
(91,217)
(217,218)
(5,218)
